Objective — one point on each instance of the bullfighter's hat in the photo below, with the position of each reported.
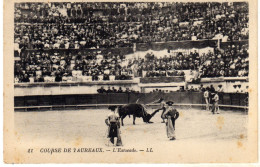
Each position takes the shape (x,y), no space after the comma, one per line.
(170,103)
(112,108)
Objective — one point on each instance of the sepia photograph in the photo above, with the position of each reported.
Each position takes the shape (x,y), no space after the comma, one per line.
(130,82)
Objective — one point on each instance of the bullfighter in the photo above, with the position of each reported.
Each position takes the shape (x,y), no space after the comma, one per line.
(171,114)
(113,124)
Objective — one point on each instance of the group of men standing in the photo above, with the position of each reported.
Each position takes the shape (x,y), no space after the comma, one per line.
(211,97)
(169,116)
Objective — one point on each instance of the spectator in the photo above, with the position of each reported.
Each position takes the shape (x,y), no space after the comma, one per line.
(39,78)
(109,90)
(58,78)
(211,89)
(120,90)
(25,78)
(114,90)
(101,90)
(201,88)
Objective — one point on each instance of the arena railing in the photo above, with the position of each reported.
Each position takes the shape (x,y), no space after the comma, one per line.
(190,99)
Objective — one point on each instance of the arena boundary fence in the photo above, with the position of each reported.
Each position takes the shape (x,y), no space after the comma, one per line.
(192,99)
(75,107)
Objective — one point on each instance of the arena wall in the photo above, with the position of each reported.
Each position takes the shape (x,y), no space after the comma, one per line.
(69,88)
(143,85)
(238,100)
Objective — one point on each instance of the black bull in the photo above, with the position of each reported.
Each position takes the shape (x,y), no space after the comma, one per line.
(137,110)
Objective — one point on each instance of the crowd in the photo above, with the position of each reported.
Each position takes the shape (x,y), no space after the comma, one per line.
(96,65)
(114,90)
(100,25)
(231,62)
(64,66)
(169,65)
(48,28)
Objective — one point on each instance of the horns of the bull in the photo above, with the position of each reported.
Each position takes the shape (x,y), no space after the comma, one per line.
(149,116)
(154,112)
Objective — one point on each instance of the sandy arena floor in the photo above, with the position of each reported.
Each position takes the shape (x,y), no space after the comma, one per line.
(84,126)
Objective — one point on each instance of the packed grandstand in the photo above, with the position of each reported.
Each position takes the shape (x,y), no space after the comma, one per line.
(63,42)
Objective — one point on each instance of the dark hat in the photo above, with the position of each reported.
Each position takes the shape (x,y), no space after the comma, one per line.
(170,103)
(112,108)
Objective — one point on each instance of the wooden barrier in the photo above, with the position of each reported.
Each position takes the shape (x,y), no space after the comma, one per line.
(191,98)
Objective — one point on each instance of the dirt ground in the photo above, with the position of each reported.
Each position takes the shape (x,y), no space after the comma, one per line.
(88,126)
(201,137)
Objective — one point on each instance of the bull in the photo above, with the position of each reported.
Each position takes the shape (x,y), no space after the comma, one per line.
(137,110)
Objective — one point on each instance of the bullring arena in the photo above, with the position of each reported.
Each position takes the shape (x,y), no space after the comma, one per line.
(88,124)
(73,60)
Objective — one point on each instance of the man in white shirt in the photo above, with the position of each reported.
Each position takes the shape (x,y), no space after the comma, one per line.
(206,97)
(215,99)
